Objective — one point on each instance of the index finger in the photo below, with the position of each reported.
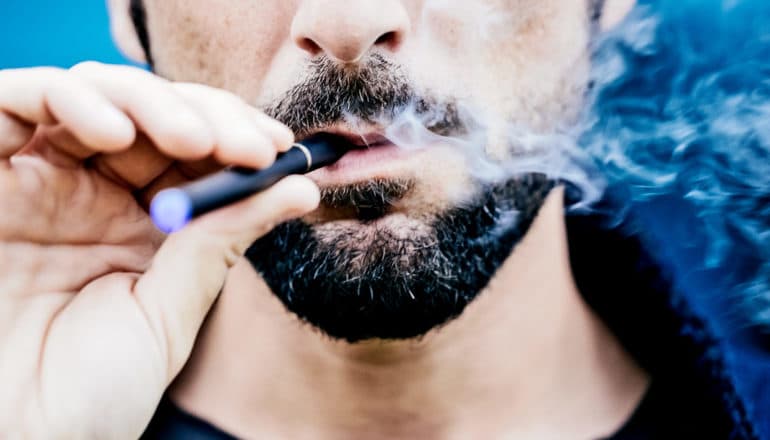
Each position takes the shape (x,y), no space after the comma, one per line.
(48,95)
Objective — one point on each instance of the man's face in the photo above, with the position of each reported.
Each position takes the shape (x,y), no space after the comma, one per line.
(404,237)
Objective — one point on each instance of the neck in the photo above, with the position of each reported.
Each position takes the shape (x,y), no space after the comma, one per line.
(527,358)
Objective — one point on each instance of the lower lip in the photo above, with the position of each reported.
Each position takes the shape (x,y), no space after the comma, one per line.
(362,164)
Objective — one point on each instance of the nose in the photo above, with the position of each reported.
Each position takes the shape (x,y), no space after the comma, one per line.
(346,30)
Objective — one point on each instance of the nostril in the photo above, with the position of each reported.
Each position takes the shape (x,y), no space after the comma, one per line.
(390,40)
(309,46)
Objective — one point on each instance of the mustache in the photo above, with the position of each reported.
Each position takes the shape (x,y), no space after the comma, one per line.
(374,91)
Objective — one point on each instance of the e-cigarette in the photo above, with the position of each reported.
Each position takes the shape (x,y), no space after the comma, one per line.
(171,209)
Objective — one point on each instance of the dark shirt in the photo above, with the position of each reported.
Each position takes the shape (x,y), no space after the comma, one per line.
(665,412)
(172,423)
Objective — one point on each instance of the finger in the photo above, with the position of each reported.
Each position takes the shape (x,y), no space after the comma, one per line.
(47,96)
(62,139)
(177,174)
(13,134)
(190,268)
(241,139)
(136,167)
(282,136)
(244,222)
(173,176)
(174,127)
(199,168)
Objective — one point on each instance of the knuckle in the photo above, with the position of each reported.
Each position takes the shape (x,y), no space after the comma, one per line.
(220,94)
(193,90)
(45,73)
(87,66)
(229,98)
(64,82)
(57,77)
(248,139)
(212,94)
(119,74)
(176,137)
(35,77)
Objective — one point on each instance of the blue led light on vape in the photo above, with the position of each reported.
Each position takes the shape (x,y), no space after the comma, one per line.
(171,210)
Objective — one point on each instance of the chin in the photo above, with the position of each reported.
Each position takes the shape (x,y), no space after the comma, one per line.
(367,243)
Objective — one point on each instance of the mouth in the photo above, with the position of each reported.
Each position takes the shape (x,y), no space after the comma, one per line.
(368,182)
(372,156)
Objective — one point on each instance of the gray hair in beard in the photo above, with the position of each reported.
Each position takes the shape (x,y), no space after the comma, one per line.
(372,283)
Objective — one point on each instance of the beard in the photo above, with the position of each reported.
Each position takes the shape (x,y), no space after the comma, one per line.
(370,280)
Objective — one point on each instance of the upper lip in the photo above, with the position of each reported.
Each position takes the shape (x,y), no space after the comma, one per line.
(360,137)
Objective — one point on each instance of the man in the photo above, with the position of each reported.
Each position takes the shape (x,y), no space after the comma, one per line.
(409,298)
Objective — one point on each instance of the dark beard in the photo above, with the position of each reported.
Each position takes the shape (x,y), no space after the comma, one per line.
(373,281)
(393,287)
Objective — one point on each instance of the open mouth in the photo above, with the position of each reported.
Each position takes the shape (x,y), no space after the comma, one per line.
(357,142)
(367,182)
(371,156)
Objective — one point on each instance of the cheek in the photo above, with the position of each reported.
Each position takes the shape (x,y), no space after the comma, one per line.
(527,69)
(513,62)
(230,46)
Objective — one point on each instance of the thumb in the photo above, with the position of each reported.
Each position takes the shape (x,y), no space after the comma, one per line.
(190,268)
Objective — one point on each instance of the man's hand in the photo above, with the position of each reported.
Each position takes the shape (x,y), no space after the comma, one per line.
(99,310)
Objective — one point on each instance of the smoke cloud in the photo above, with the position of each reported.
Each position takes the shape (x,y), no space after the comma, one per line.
(681,120)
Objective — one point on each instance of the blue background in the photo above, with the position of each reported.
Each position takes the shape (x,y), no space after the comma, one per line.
(55,33)
(64,32)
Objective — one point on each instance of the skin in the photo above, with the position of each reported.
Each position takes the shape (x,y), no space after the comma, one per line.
(97,304)
(91,292)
